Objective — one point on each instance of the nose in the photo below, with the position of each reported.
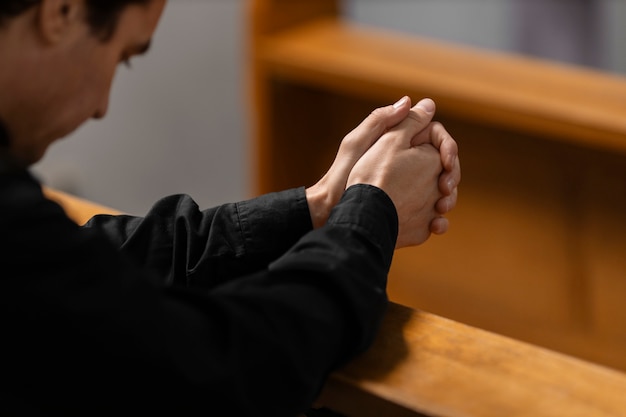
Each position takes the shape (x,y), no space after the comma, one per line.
(102,109)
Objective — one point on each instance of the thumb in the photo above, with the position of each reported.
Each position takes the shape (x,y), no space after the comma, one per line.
(418,120)
(426,105)
(376,124)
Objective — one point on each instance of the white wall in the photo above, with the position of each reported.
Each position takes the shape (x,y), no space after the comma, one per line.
(481,23)
(177,121)
(555,29)
(615,18)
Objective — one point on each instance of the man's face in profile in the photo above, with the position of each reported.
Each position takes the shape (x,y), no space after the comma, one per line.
(67,75)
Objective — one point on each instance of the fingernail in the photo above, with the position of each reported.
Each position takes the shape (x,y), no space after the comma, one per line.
(400,102)
(426,105)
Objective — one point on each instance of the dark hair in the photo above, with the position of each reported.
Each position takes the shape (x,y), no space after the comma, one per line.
(102,15)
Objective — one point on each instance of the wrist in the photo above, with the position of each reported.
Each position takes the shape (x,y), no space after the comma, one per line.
(317,200)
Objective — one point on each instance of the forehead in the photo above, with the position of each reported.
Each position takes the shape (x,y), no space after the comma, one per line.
(137,22)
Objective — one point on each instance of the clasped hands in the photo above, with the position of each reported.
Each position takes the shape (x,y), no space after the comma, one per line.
(400,150)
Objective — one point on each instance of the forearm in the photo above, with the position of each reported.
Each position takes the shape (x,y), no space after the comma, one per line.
(185,245)
(240,347)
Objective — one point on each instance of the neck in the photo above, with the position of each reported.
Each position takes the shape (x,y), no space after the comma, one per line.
(4,136)
(8,163)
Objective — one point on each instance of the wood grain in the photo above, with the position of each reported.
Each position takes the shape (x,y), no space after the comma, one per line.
(422,364)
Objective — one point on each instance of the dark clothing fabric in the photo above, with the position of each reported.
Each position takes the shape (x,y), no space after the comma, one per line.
(239,310)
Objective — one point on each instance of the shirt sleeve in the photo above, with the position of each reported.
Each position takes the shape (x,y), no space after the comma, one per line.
(182,244)
(90,332)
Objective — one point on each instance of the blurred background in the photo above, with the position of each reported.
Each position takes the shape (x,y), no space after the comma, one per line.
(178,120)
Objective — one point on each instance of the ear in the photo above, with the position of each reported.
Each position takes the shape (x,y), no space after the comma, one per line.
(56,18)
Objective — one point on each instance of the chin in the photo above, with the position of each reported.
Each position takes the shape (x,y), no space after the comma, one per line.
(33,157)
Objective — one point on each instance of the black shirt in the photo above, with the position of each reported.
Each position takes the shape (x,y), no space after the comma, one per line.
(238,310)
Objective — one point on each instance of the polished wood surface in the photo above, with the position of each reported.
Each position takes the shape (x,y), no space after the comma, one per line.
(78,209)
(422,364)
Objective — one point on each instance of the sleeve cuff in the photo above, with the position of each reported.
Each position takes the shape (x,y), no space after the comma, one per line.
(274,221)
(370,211)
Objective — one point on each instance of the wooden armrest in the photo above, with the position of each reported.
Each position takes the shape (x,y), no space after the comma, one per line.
(78,209)
(422,364)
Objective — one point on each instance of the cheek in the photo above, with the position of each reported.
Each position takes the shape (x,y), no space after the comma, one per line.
(78,91)
(88,96)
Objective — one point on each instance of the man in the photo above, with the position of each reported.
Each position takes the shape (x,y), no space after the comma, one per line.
(242,309)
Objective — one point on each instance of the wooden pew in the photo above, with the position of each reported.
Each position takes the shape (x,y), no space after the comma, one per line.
(425,365)
(535,249)
(78,209)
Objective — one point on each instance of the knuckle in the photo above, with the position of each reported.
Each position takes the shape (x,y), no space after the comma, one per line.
(373,126)
(376,120)
(417,116)
(420,116)
(437,127)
